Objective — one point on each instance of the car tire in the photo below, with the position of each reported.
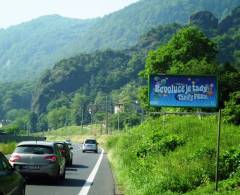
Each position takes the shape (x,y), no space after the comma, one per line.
(69,163)
(96,151)
(83,151)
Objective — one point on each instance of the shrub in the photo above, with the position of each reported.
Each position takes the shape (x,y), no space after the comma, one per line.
(231,111)
(170,143)
(7,148)
(231,184)
(205,153)
(229,163)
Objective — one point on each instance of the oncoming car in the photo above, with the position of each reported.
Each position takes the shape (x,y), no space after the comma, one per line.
(38,158)
(90,144)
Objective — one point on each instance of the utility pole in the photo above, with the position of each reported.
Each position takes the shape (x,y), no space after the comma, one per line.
(90,113)
(106,114)
(82,119)
(118,120)
(218,149)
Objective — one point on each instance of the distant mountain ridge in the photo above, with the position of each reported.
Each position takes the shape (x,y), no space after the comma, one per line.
(29,48)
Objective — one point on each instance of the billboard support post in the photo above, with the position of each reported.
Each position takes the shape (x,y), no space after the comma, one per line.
(218,150)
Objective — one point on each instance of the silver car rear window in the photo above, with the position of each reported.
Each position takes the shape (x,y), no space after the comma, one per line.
(34,149)
(90,141)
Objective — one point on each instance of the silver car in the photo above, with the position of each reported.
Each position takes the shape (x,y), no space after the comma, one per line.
(38,158)
(90,144)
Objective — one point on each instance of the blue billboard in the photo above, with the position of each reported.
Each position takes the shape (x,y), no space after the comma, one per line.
(183,91)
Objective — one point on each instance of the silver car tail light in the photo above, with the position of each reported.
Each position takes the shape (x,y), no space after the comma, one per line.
(14,158)
(51,158)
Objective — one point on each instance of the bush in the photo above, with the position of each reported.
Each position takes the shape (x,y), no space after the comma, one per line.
(229,163)
(11,128)
(7,148)
(231,112)
(231,184)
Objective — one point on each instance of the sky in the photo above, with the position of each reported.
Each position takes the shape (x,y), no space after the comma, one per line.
(14,12)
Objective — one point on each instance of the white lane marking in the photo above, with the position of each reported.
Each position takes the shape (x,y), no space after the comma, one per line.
(89,182)
(76,150)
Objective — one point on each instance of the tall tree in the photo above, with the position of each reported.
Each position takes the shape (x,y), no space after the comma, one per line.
(79,108)
(32,121)
(188,52)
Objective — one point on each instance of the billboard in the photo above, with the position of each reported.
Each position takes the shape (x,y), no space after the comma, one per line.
(183,91)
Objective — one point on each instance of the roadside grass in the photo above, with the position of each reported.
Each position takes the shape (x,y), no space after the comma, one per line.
(7,148)
(74,133)
(176,157)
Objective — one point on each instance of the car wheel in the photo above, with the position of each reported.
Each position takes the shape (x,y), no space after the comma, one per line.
(83,151)
(96,151)
(69,163)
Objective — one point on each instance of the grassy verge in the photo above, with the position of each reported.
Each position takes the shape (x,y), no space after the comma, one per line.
(75,133)
(177,157)
(7,148)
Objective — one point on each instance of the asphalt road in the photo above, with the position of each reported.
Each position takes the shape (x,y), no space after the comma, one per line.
(90,174)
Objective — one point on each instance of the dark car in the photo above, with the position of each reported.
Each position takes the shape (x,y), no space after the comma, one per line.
(66,151)
(11,182)
(38,158)
(69,142)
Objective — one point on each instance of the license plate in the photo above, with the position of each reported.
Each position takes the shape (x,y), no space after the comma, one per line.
(31,167)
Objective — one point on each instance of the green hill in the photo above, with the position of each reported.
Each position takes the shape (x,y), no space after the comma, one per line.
(108,70)
(29,48)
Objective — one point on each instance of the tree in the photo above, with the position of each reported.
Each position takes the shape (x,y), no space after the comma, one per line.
(79,108)
(58,117)
(188,52)
(42,122)
(33,121)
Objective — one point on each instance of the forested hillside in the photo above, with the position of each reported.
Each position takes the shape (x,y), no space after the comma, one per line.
(28,49)
(110,70)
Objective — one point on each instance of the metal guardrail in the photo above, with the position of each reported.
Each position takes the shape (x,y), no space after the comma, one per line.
(8,137)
